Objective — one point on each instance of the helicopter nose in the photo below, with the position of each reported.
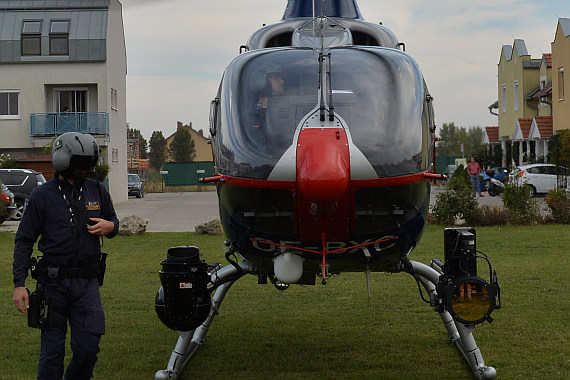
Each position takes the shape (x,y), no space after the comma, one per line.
(323,165)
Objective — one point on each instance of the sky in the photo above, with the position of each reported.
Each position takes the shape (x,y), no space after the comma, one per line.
(177,50)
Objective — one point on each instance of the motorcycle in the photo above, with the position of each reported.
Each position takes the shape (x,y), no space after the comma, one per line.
(494,186)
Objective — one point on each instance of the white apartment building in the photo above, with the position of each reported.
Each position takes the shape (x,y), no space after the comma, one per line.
(57,54)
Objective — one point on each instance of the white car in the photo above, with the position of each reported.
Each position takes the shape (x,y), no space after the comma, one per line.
(540,178)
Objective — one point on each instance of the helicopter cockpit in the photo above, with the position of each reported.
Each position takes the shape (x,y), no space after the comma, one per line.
(378,94)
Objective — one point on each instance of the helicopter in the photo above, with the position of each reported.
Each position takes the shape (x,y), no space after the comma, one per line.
(323,139)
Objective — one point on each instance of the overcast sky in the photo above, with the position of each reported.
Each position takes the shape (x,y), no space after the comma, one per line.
(177,50)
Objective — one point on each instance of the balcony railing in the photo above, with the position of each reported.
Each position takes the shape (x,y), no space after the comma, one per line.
(57,123)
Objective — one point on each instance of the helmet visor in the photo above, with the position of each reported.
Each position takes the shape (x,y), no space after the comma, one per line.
(82,162)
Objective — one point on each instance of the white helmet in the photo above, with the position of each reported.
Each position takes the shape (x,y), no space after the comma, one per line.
(259,77)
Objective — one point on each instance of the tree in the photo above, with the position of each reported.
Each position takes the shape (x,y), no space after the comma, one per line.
(559,148)
(452,138)
(474,138)
(158,150)
(182,147)
(449,143)
(136,134)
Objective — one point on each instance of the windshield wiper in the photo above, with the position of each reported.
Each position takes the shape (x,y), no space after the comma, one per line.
(328,85)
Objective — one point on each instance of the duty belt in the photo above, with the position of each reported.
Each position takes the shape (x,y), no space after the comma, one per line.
(48,272)
(86,271)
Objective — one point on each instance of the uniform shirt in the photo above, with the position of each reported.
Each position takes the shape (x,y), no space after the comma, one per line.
(64,240)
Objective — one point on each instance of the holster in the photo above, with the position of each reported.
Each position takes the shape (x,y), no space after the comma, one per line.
(39,312)
(102,268)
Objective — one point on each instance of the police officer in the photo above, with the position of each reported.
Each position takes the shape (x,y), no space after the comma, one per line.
(71,214)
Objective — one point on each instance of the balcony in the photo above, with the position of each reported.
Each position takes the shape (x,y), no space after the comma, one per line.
(57,123)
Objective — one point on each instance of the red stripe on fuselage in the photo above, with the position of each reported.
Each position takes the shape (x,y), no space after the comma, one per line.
(354,184)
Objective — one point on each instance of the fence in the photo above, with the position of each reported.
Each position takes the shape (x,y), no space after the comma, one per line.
(186,173)
(57,123)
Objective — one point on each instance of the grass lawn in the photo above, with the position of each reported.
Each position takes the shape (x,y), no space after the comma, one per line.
(327,332)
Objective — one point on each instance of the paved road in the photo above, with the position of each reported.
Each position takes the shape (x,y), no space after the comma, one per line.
(179,212)
(174,212)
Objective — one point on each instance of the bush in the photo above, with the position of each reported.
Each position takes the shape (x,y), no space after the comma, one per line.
(523,209)
(2,213)
(559,206)
(101,172)
(7,162)
(489,216)
(456,201)
(459,179)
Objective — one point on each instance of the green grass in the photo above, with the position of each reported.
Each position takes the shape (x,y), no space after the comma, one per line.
(327,332)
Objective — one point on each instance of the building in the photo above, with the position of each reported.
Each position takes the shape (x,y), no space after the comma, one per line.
(518,75)
(544,94)
(491,136)
(530,108)
(64,54)
(540,132)
(561,74)
(202,148)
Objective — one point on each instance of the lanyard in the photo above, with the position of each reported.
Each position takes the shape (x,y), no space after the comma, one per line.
(71,212)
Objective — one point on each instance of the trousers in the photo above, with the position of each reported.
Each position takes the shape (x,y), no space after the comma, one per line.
(475,183)
(77,302)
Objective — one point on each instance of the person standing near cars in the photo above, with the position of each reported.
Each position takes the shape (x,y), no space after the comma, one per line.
(474,169)
(71,214)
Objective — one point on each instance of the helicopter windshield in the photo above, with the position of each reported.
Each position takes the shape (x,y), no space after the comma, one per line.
(265,95)
(332,8)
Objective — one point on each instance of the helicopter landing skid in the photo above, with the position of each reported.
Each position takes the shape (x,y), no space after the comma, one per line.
(190,341)
(460,334)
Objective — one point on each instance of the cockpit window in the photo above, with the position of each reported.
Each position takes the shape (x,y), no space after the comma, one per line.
(379,94)
(265,98)
(265,95)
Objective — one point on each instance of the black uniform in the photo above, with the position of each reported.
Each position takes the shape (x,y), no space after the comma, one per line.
(59,213)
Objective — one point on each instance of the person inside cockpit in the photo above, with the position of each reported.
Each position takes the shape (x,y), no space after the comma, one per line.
(266,81)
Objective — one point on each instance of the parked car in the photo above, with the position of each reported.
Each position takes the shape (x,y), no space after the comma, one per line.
(21,182)
(135,185)
(7,202)
(540,178)
(448,171)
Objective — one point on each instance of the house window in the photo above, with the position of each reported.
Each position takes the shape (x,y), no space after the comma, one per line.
(9,104)
(75,99)
(516,96)
(542,86)
(561,83)
(114,99)
(115,155)
(31,37)
(504,97)
(59,37)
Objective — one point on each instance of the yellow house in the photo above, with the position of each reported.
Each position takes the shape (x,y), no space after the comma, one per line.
(202,147)
(543,93)
(561,75)
(518,74)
